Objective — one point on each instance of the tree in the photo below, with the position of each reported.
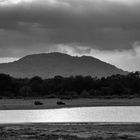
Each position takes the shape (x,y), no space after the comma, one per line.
(106,91)
(25,91)
(85,94)
(36,84)
(5,84)
(72,94)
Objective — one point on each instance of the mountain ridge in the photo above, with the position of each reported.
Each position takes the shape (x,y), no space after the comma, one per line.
(47,65)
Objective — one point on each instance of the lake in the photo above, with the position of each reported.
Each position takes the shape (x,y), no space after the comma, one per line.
(83,114)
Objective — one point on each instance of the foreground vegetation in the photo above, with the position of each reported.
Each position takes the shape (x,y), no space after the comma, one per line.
(122,86)
(81,131)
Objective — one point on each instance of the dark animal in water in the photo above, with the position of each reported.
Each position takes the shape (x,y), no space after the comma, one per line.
(38,103)
(60,103)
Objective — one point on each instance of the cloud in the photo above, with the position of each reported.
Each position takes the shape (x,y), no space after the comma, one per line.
(103,27)
(11,2)
(127,59)
(7,59)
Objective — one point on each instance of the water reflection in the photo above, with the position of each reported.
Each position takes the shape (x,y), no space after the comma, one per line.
(84,114)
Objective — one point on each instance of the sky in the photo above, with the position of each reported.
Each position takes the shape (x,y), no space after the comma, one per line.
(105,29)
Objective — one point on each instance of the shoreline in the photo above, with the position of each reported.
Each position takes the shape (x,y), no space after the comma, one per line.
(73,123)
(28,104)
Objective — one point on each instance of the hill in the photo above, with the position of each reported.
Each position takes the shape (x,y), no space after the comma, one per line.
(52,64)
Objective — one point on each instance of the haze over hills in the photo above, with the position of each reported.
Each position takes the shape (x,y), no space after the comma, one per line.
(52,64)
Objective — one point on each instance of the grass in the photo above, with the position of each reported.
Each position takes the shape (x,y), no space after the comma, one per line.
(52,103)
(85,131)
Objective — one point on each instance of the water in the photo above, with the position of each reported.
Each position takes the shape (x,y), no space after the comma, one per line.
(84,114)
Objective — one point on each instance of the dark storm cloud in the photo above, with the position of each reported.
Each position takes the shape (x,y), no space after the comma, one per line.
(36,25)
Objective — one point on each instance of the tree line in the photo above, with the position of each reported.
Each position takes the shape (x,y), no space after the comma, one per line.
(124,86)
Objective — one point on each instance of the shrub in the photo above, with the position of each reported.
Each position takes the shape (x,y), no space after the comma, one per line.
(25,91)
(85,94)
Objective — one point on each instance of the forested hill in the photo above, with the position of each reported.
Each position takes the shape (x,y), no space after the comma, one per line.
(52,64)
